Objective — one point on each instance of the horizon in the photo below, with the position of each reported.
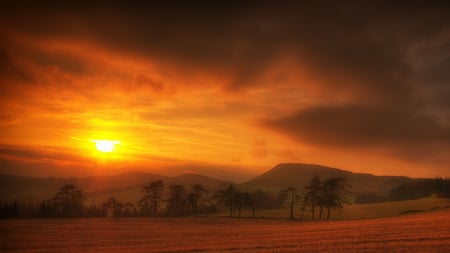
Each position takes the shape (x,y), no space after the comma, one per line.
(224,89)
(234,179)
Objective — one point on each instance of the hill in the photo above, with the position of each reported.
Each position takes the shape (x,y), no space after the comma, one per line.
(125,187)
(299,175)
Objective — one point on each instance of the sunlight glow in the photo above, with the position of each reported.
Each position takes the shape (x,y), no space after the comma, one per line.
(105,145)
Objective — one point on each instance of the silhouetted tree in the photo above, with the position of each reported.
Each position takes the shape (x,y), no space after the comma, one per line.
(195,196)
(9,210)
(67,202)
(177,202)
(291,199)
(265,199)
(227,197)
(313,193)
(239,201)
(94,211)
(421,188)
(335,191)
(150,202)
(128,210)
(248,200)
(303,204)
(114,206)
(321,205)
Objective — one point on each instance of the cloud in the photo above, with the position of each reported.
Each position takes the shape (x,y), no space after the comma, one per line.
(259,149)
(358,75)
(143,80)
(43,161)
(405,133)
(242,41)
(355,125)
(43,154)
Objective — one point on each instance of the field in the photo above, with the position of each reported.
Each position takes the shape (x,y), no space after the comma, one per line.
(364,211)
(420,232)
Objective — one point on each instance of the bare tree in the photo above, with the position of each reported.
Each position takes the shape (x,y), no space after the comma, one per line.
(303,204)
(227,197)
(313,193)
(177,201)
(335,191)
(113,207)
(195,196)
(152,198)
(292,197)
(68,201)
(249,201)
(239,201)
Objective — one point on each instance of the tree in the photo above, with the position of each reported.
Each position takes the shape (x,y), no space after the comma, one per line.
(113,207)
(67,202)
(95,211)
(195,196)
(335,191)
(291,198)
(128,209)
(227,197)
(265,200)
(248,200)
(313,193)
(8,210)
(421,188)
(303,204)
(150,202)
(239,201)
(177,202)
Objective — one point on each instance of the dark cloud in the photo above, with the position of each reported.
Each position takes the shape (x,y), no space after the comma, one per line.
(65,62)
(356,47)
(143,80)
(362,127)
(44,154)
(390,59)
(367,37)
(42,161)
(11,70)
(243,39)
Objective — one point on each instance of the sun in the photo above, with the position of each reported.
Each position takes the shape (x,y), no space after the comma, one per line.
(105,146)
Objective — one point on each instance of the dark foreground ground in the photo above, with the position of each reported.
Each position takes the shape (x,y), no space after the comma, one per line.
(423,232)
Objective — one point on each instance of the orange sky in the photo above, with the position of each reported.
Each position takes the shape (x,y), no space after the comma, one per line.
(225,89)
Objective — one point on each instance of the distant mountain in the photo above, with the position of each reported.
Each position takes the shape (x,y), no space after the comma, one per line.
(299,175)
(125,187)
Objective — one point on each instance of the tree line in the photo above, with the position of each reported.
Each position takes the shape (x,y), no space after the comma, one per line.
(328,195)
(439,187)
(159,200)
(180,201)
(317,199)
(419,188)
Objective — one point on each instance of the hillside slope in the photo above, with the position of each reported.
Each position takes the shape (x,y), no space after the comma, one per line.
(299,175)
(125,187)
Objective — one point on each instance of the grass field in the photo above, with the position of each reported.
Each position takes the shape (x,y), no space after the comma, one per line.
(420,232)
(363,211)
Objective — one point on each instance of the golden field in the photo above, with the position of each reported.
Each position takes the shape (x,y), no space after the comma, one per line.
(362,211)
(420,232)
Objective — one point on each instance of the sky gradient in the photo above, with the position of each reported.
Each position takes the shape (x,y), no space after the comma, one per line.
(224,88)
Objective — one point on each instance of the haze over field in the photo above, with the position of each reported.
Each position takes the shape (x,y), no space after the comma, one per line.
(224,88)
(128,186)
